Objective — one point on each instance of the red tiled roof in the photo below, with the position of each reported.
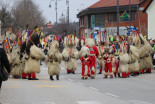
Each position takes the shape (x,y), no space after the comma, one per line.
(110,3)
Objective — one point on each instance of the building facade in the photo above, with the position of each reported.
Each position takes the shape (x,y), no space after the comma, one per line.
(104,14)
(151,20)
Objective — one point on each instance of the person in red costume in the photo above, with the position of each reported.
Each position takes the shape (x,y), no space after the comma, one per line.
(85,59)
(108,63)
(90,43)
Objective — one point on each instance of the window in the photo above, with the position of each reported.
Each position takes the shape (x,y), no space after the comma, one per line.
(112,17)
(100,20)
(86,22)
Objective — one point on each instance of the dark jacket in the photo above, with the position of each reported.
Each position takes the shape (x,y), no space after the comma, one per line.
(4,62)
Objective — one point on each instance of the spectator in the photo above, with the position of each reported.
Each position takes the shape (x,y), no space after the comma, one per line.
(4,62)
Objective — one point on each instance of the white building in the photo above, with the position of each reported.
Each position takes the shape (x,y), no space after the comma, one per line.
(151,20)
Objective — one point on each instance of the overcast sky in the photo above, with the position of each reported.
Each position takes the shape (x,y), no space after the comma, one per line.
(50,14)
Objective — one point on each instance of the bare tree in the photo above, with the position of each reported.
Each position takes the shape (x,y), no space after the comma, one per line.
(27,12)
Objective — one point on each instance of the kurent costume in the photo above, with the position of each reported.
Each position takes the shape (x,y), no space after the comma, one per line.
(90,43)
(16,63)
(85,59)
(32,65)
(124,60)
(133,66)
(145,51)
(53,60)
(70,54)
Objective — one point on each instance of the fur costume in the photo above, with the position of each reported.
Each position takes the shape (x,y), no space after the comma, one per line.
(145,51)
(85,59)
(54,60)
(16,62)
(70,56)
(32,65)
(133,59)
(100,57)
(124,60)
(90,43)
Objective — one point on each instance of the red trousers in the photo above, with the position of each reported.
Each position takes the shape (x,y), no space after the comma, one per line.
(108,68)
(92,65)
(83,68)
(24,75)
(101,69)
(117,66)
(33,75)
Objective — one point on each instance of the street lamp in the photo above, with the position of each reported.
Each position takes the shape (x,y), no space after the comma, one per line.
(63,13)
(67,3)
(55,1)
(129,13)
(0,28)
(117,17)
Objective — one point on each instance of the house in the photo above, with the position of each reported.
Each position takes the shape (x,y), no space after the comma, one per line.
(104,14)
(150,10)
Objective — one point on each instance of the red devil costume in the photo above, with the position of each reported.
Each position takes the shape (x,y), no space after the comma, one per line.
(85,64)
(108,65)
(93,54)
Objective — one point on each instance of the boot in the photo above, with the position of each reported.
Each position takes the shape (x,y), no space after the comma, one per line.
(73,72)
(142,72)
(115,75)
(34,79)
(111,76)
(100,73)
(148,70)
(24,78)
(29,78)
(124,75)
(119,75)
(86,77)
(105,77)
(82,78)
(57,77)
(51,77)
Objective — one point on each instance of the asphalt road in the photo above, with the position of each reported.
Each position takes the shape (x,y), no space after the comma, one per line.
(70,89)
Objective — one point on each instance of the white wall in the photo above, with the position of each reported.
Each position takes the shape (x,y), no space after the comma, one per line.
(151,20)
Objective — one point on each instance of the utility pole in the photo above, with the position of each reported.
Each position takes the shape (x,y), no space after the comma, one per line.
(55,9)
(117,17)
(129,13)
(67,3)
(0,28)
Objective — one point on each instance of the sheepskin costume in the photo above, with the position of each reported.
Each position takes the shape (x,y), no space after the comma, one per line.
(145,51)
(124,60)
(70,55)
(53,59)
(133,66)
(16,63)
(32,65)
(85,59)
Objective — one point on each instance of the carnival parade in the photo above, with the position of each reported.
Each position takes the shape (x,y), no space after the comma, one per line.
(115,56)
(77,52)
